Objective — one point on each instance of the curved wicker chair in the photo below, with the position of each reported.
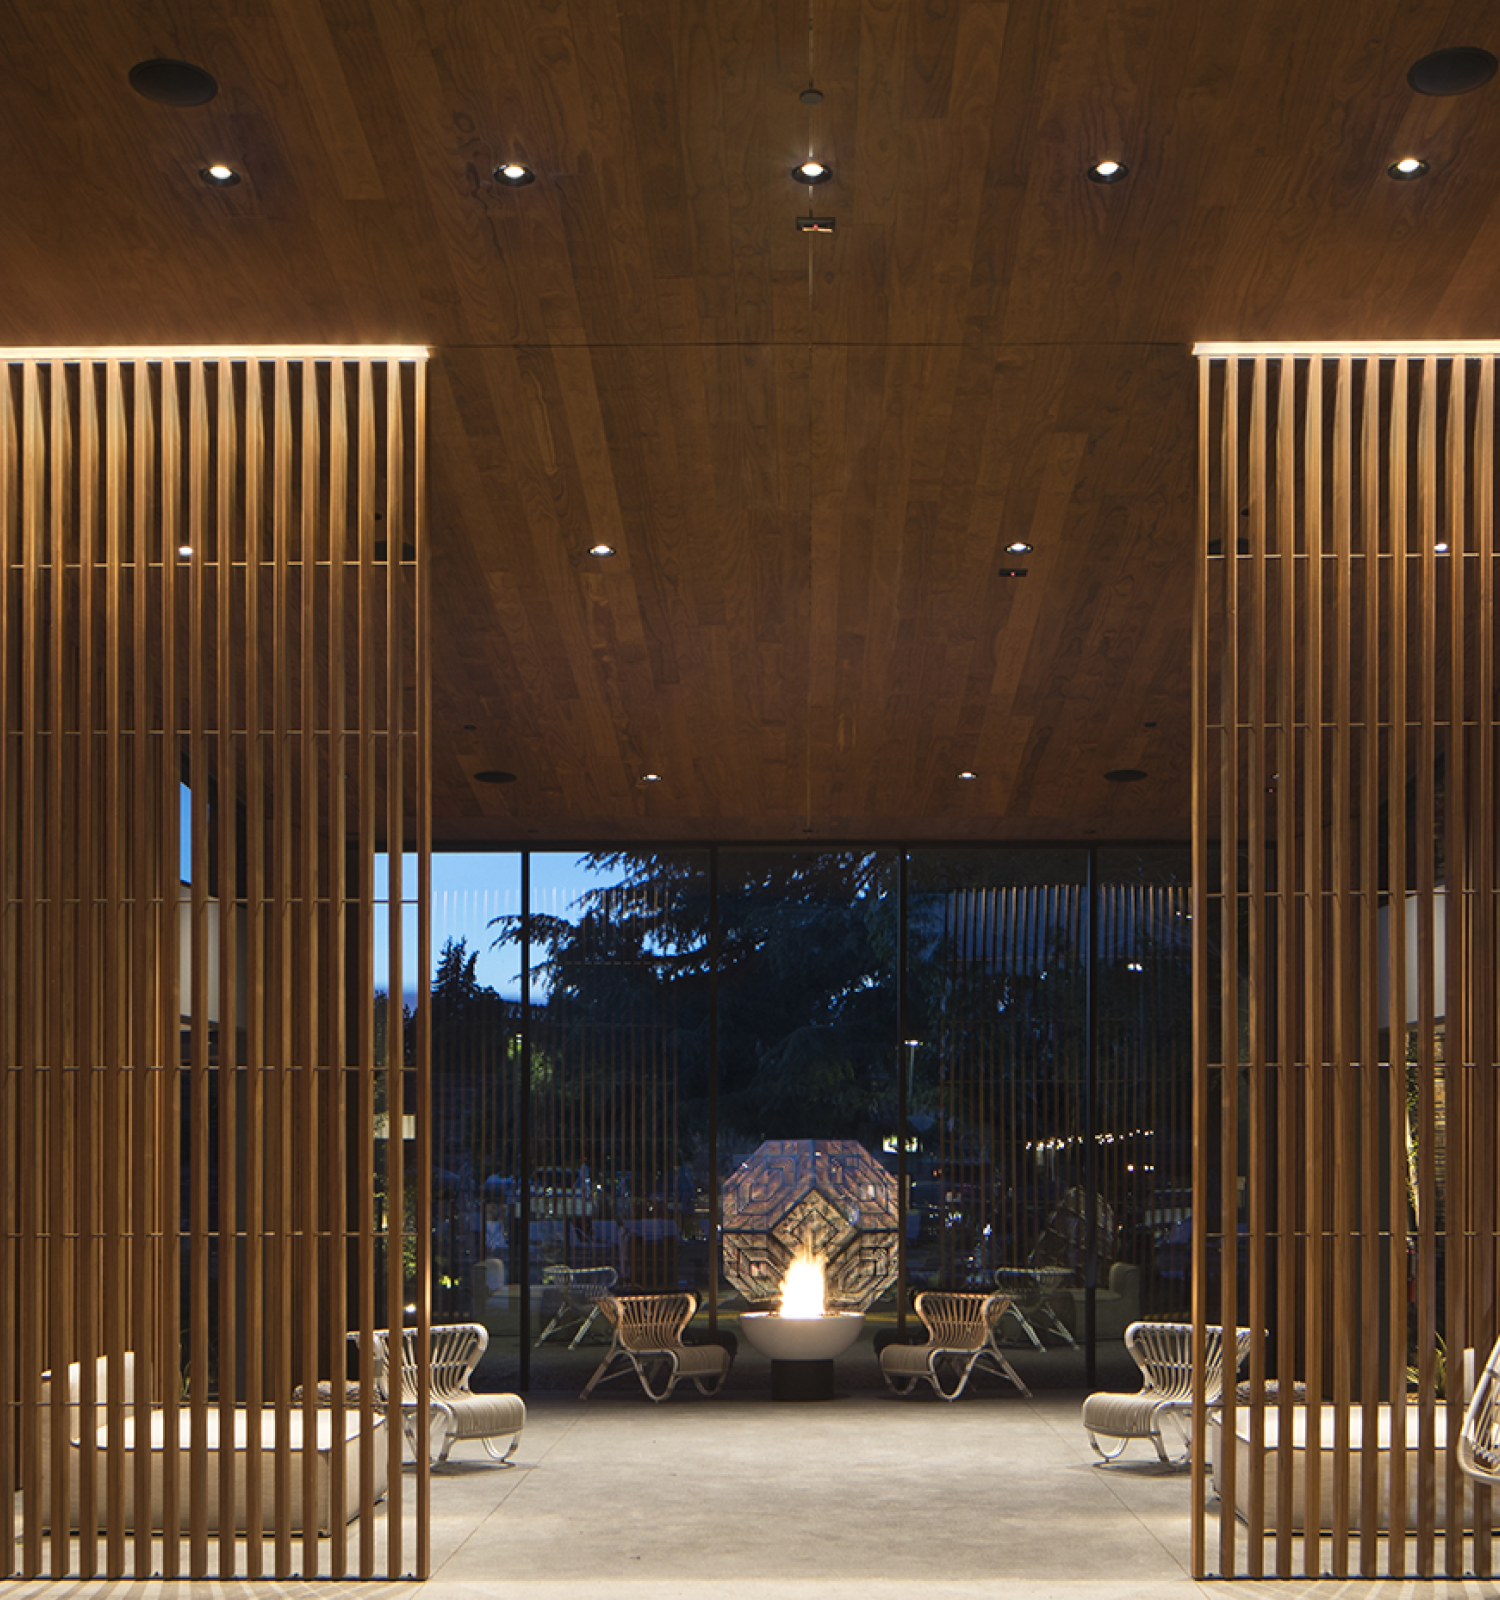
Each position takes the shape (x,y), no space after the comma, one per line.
(454,1410)
(648,1336)
(960,1337)
(1164,1353)
(1479,1438)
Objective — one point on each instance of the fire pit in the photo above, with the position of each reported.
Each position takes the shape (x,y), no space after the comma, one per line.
(803,1337)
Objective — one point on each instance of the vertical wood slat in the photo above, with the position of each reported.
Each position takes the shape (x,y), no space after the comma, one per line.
(1340,944)
(197,540)
(1384,833)
(1227,1202)
(11,555)
(133,665)
(1289,967)
(1258,781)
(1486,895)
(1370,1208)
(338,974)
(1203,753)
(255,1217)
(1312,769)
(228,533)
(1424,883)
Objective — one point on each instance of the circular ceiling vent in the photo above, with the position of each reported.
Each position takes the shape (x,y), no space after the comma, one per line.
(173,83)
(1453,71)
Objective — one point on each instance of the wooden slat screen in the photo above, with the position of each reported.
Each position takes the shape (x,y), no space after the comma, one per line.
(1345,940)
(214,687)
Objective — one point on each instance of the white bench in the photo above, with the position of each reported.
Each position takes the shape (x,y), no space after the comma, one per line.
(326,1447)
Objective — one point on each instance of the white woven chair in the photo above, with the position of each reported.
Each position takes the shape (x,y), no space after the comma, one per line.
(960,1338)
(648,1337)
(1479,1438)
(1164,1353)
(454,1410)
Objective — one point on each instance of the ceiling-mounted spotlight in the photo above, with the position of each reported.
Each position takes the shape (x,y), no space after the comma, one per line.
(1018,547)
(1108,172)
(601,550)
(513,173)
(1407,167)
(219,175)
(966,776)
(812,172)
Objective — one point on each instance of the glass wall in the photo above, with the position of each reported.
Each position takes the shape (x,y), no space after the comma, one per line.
(1006,1032)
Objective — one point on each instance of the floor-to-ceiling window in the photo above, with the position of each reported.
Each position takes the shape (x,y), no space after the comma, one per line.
(1006,1031)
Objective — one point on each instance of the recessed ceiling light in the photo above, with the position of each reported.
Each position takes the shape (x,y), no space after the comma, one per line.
(1018,547)
(1124,775)
(966,776)
(1108,172)
(1441,547)
(1407,167)
(650,777)
(513,173)
(494,776)
(811,96)
(812,172)
(601,549)
(184,549)
(219,175)
(172,83)
(1456,70)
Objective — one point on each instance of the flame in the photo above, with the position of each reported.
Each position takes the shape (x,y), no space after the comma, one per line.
(802,1288)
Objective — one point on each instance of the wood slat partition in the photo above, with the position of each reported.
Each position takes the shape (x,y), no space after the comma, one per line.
(1346,914)
(214,759)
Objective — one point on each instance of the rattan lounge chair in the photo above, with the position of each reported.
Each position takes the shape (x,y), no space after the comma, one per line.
(648,1339)
(1479,1439)
(454,1410)
(960,1339)
(1164,1353)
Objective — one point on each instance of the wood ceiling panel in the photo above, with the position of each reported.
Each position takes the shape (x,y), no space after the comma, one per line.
(810,452)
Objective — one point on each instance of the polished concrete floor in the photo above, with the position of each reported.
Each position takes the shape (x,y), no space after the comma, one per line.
(741,1497)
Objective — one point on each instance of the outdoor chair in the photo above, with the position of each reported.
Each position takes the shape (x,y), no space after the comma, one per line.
(1479,1439)
(960,1338)
(582,1289)
(454,1410)
(647,1340)
(1164,1353)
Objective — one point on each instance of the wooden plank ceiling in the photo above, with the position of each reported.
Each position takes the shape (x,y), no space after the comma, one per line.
(809,451)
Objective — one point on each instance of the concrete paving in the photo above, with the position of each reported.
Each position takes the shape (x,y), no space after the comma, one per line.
(867,1497)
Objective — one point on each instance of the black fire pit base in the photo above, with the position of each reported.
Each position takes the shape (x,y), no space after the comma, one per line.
(802,1380)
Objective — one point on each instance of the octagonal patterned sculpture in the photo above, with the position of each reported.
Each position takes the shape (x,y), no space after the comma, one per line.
(828,1197)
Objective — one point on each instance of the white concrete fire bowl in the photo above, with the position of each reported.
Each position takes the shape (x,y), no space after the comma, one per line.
(802,1338)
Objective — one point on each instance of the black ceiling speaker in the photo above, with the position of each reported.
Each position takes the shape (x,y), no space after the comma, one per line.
(173,83)
(1454,71)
